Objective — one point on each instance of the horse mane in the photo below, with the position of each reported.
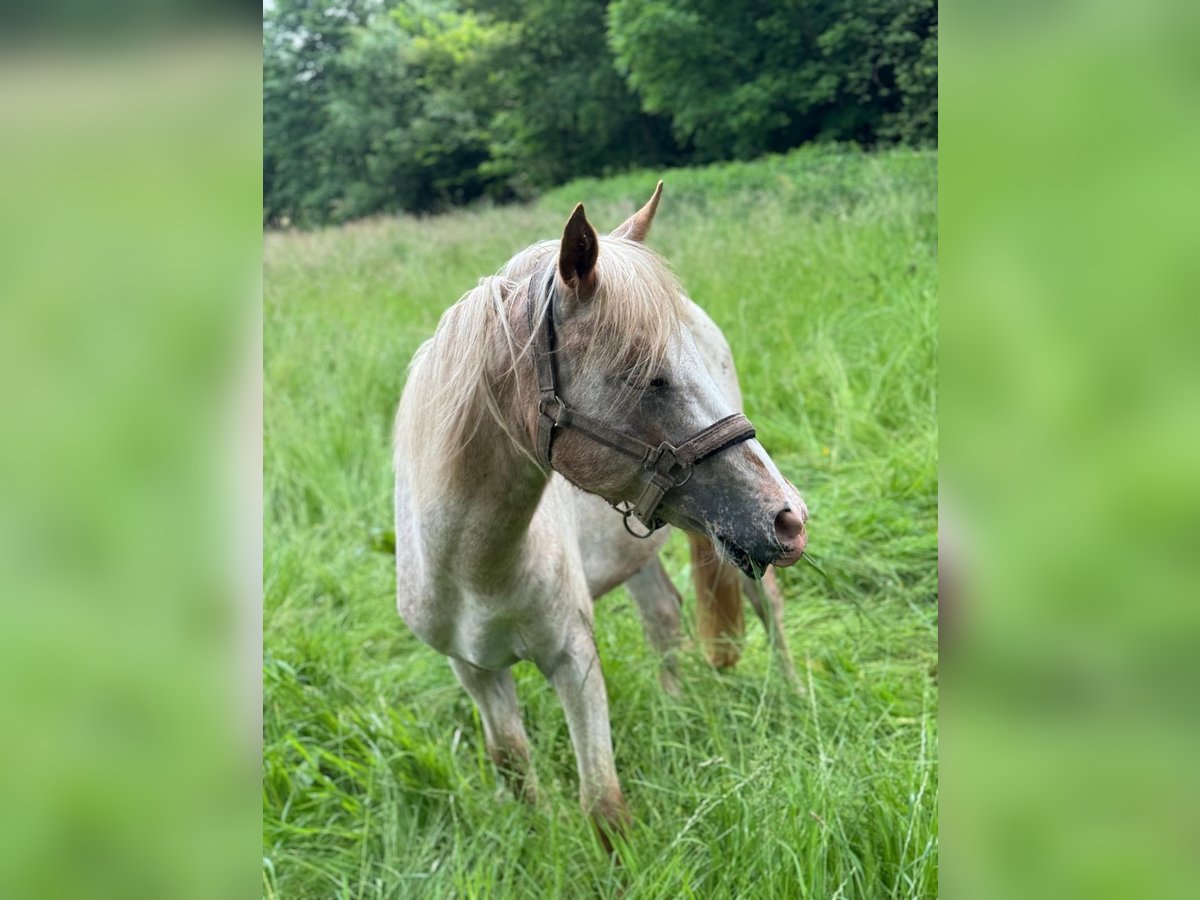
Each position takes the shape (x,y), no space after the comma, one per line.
(455,376)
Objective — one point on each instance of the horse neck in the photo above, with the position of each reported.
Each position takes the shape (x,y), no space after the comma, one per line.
(476,522)
(491,505)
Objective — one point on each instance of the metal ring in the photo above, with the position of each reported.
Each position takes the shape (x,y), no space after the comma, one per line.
(625,514)
(686,478)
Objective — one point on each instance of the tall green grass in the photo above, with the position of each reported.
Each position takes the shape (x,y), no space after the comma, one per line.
(821,268)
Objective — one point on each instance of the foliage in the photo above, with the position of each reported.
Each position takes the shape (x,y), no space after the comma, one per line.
(739,79)
(388,105)
(389,114)
(820,267)
(562,109)
(301,44)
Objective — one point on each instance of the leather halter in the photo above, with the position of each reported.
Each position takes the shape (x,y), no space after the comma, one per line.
(667,465)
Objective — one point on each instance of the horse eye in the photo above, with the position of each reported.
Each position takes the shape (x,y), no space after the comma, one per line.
(659,383)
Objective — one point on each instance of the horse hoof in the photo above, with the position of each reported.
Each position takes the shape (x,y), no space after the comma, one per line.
(611,819)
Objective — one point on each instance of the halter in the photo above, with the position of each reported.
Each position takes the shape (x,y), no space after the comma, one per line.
(667,465)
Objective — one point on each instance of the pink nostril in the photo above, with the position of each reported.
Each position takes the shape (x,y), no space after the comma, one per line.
(789,528)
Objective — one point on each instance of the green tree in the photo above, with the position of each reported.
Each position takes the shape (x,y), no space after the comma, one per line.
(562,110)
(387,105)
(373,106)
(302,40)
(414,111)
(741,79)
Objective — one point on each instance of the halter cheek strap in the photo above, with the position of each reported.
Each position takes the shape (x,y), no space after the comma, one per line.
(667,465)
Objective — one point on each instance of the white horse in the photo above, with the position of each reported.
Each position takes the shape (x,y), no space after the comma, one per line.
(578,378)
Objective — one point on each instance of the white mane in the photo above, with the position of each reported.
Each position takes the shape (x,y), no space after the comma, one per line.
(463,372)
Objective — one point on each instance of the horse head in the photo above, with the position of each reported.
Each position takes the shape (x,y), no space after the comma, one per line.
(628,409)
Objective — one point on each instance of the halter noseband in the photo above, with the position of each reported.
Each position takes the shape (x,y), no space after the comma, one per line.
(667,465)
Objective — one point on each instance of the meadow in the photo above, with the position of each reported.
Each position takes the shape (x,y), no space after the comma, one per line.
(821,268)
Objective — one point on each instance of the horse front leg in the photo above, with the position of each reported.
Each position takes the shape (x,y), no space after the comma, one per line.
(576,676)
(495,694)
(659,603)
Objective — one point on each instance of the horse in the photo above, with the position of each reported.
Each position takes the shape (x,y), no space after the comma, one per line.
(575,382)
(719,586)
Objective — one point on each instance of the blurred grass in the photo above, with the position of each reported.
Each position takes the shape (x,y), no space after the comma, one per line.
(820,268)
(1070,384)
(128,242)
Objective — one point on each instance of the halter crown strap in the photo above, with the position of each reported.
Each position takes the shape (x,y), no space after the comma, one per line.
(664,463)
(551,410)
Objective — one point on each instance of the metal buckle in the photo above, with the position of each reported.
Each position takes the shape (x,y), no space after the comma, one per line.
(547,405)
(655,456)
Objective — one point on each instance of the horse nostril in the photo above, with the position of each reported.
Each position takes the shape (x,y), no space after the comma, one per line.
(788,527)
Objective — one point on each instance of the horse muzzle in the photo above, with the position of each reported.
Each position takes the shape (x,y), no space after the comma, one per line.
(792,536)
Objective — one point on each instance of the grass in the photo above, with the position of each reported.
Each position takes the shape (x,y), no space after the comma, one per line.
(821,268)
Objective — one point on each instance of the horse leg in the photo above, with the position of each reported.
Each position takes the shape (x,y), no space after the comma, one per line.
(495,693)
(659,602)
(767,600)
(576,676)
(719,619)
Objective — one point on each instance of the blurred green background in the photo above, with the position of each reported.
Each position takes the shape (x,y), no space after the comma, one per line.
(1069,475)
(129,253)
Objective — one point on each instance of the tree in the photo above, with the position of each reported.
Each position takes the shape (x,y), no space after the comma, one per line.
(371,106)
(302,40)
(388,105)
(741,79)
(562,109)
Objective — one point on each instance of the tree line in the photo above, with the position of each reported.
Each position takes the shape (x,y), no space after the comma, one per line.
(388,105)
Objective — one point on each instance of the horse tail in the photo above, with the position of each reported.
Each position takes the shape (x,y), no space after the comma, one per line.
(719,619)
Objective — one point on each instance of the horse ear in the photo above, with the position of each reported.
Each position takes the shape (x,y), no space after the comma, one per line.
(578,252)
(637,226)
